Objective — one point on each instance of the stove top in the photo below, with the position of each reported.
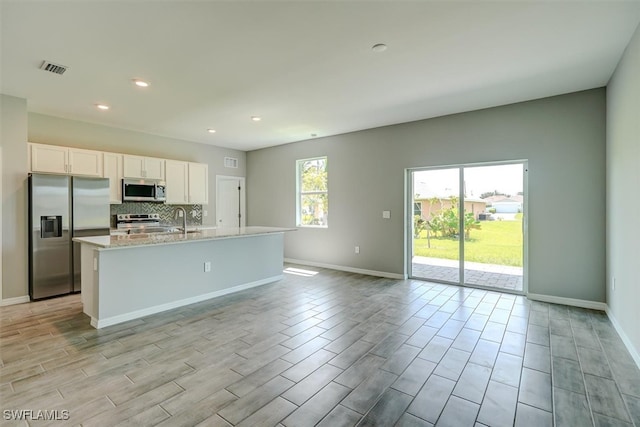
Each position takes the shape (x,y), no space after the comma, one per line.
(129,221)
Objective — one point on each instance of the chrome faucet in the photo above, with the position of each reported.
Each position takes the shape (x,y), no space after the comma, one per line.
(184,218)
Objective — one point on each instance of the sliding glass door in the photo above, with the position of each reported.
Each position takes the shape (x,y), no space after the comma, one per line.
(436,247)
(468,225)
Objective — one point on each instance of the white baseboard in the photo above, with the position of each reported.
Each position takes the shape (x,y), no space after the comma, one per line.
(16,300)
(594,305)
(102,323)
(347,269)
(625,339)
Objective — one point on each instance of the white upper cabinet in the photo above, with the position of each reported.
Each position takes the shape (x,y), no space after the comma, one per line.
(64,160)
(154,168)
(113,170)
(133,166)
(198,183)
(177,180)
(49,158)
(85,162)
(187,183)
(143,167)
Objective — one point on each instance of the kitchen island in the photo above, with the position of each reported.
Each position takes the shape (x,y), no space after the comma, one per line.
(131,276)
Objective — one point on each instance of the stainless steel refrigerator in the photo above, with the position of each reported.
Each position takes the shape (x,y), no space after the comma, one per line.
(60,208)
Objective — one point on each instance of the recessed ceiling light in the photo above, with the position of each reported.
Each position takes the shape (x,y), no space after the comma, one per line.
(211,130)
(140,83)
(256,118)
(102,107)
(380,47)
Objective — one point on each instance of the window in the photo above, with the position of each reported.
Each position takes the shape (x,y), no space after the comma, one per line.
(313,196)
(417,209)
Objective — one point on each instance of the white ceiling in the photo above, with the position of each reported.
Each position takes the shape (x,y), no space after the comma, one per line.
(305,67)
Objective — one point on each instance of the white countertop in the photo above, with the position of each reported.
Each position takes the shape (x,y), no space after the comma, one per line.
(144,239)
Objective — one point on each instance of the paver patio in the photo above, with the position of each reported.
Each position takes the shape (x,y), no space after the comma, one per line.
(475,273)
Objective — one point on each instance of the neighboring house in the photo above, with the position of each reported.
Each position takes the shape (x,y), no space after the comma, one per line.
(504,204)
(427,210)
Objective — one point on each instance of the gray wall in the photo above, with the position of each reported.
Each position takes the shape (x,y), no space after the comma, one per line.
(623,192)
(562,137)
(13,137)
(70,133)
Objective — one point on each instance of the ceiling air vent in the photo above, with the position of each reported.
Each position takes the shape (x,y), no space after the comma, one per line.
(53,68)
(231,162)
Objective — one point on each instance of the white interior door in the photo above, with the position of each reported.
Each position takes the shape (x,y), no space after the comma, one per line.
(230,201)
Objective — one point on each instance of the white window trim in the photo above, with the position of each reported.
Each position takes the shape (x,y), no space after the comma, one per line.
(299,193)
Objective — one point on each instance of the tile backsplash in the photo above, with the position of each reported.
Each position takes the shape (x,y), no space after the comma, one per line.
(166,212)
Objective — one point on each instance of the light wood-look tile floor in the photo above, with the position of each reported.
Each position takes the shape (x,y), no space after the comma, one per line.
(329,349)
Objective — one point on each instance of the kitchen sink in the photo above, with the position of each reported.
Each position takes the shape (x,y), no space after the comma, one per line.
(179,231)
(157,230)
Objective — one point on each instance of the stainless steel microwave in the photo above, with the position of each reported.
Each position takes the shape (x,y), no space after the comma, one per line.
(143,190)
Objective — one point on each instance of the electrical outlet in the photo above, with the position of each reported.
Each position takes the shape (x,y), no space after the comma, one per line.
(205,213)
(207,266)
(180,214)
(357,249)
(386,214)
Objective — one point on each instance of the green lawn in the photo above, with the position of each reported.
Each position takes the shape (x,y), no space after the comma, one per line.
(497,242)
